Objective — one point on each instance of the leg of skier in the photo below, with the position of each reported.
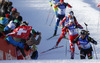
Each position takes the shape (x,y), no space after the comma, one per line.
(72,46)
(56,27)
(83,54)
(62,35)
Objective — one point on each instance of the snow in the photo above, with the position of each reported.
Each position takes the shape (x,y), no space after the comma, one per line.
(36,12)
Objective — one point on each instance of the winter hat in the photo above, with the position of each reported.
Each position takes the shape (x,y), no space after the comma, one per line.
(71,13)
(71,20)
(7,15)
(83,32)
(3,21)
(13,9)
(19,18)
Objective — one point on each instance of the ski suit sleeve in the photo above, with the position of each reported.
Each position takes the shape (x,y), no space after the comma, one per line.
(76,39)
(69,6)
(57,5)
(75,20)
(79,26)
(65,28)
(11,41)
(92,40)
(50,2)
(66,4)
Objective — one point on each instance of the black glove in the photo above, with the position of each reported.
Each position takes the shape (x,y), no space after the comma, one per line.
(76,26)
(37,33)
(87,33)
(95,43)
(51,5)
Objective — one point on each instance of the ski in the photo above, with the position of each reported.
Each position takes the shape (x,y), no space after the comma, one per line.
(52,36)
(51,49)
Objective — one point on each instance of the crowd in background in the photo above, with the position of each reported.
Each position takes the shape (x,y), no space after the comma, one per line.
(10,19)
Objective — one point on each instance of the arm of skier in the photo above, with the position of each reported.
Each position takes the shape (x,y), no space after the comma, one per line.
(65,28)
(69,6)
(61,23)
(66,4)
(78,26)
(50,2)
(76,39)
(92,40)
(76,23)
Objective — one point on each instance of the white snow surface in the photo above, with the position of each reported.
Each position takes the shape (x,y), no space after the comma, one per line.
(36,12)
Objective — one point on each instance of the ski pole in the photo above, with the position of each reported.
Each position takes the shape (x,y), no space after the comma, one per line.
(48,15)
(86,26)
(95,52)
(66,47)
(52,20)
(98,20)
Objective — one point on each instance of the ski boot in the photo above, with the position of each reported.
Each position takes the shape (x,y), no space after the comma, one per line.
(55,32)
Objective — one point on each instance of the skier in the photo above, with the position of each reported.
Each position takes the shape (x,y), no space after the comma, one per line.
(71,28)
(66,19)
(98,5)
(55,2)
(86,49)
(61,13)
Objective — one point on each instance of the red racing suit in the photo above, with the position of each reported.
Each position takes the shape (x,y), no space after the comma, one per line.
(72,35)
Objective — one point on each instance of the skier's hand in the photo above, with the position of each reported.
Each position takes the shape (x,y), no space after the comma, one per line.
(76,26)
(71,6)
(51,5)
(95,43)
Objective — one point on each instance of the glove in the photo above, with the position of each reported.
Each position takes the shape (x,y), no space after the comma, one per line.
(87,33)
(95,43)
(71,6)
(76,26)
(50,4)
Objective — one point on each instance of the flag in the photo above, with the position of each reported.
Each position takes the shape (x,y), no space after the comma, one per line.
(21,32)
(98,5)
